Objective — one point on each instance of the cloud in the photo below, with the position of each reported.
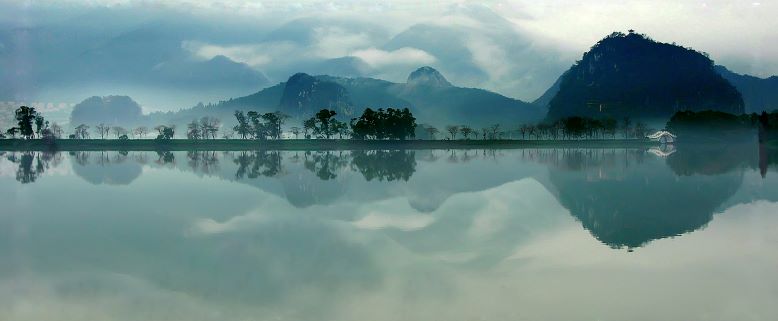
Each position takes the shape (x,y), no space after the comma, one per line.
(335,42)
(735,33)
(406,222)
(378,58)
(254,55)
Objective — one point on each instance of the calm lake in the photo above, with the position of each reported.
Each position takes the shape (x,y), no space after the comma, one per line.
(523,234)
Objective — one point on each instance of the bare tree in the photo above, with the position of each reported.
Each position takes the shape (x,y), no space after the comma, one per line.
(466,131)
(523,130)
(141,131)
(118,131)
(495,130)
(56,130)
(81,132)
(209,127)
(431,131)
(452,130)
(102,130)
(193,130)
(296,131)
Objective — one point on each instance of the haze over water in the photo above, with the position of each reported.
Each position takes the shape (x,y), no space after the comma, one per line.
(527,234)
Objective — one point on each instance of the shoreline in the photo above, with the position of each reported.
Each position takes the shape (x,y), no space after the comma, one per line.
(306,144)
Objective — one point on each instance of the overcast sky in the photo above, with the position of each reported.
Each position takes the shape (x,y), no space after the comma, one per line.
(740,34)
(518,56)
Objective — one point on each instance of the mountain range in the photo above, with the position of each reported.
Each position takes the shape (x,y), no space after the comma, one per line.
(426,92)
(167,58)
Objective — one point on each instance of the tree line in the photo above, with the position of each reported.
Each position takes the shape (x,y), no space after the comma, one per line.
(31,124)
(380,124)
(565,128)
(373,124)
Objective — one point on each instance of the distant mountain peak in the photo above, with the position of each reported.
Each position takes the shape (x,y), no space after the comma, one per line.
(427,76)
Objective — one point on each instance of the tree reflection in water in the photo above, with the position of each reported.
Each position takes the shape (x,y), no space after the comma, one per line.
(384,165)
(32,164)
(623,197)
(206,162)
(253,164)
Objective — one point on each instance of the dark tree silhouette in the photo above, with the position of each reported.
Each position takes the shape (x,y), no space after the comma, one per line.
(165,132)
(26,117)
(384,124)
(242,128)
(322,123)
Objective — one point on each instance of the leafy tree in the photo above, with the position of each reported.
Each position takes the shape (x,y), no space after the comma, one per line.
(384,124)
(324,119)
(193,130)
(259,130)
(273,123)
(165,132)
(340,128)
(209,127)
(12,131)
(25,116)
(309,125)
(40,124)
(242,128)
(574,126)
(322,123)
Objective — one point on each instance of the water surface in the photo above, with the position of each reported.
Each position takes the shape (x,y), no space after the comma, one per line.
(526,234)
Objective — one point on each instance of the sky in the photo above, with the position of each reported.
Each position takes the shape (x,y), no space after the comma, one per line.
(516,48)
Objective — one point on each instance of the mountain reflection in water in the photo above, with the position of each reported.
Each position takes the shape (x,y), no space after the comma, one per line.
(365,235)
(624,197)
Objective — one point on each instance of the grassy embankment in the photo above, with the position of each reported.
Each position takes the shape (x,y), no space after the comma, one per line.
(305,144)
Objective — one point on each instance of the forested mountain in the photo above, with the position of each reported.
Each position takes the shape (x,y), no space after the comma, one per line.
(431,98)
(630,75)
(759,94)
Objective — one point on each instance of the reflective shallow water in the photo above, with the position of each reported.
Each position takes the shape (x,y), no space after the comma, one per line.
(529,234)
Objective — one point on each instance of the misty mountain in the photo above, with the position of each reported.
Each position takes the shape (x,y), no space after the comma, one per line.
(166,59)
(111,110)
(136,52)
(304,95)
(630,75)
(545,99)
(759,94)
(476,47)
(427,93)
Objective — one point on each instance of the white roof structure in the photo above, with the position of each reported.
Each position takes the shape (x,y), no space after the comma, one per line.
(662,136)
